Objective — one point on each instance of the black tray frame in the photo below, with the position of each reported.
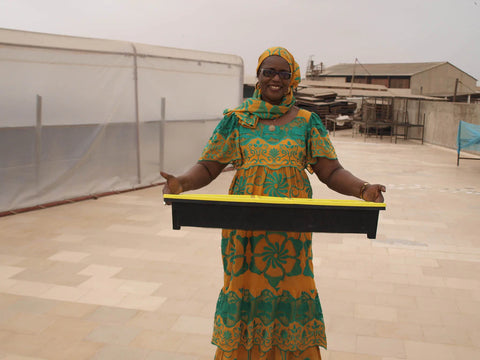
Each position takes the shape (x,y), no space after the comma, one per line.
(275,217)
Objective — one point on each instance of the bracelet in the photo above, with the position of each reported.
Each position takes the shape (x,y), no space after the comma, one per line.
(362,189)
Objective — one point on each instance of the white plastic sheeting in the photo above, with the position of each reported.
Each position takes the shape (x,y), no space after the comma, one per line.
(87,116)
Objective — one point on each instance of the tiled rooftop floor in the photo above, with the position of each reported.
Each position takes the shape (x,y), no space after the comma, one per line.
(110,279)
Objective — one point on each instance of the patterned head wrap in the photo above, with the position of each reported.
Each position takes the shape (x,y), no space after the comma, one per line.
(255,108)
(285,54)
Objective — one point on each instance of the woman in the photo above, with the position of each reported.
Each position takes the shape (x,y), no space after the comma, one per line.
(269,307)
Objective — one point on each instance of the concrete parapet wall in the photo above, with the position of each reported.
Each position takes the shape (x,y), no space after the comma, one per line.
(441,119)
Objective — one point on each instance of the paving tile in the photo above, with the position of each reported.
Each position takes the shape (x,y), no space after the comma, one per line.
(141,302)
(98,296)
(23,344)
(169,341)
(342,342)
(161,355)
(28,323)
(64,293)
(198,345)
(112,352)
(70,329)
(102,271)
(423,350)
(376,312)
(463,352)
(186,307)
(447,335)
(399,330)
(437,304)
(101,283)
(32,305)
(395,301)
(342,355)
(111,315)
(193,325)
(113,280)
(28,288)
(338,307)
(9,271)
(420,317)
(59,349)
(127,252)
(380,346)
(19,357)
(69,256)
(69,238)
(113,334)
(73,309)
(139,287)
(57,273)
(154,320)
(349,325)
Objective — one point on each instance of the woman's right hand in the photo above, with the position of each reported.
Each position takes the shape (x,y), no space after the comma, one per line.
(172,185)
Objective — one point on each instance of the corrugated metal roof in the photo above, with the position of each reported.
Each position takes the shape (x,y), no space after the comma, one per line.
(392,69)
(42,40)
(346,90)
(342,85)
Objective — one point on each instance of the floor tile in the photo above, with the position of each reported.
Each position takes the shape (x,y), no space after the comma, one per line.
(113,280)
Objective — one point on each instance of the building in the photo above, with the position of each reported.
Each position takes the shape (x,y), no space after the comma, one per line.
(440,79)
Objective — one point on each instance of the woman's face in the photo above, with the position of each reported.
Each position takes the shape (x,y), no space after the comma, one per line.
(274,87)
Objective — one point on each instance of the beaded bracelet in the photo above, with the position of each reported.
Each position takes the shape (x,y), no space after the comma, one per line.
(362,189)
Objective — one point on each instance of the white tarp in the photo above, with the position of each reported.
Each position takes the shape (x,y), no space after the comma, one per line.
(86,116)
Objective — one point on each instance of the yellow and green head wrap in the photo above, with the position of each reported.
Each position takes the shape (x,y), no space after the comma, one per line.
(285,54)
(255,108)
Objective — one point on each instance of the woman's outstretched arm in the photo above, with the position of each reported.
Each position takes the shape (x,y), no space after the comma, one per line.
(332,174)
(198,176)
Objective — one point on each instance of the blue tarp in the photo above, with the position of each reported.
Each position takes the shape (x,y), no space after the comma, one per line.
(468,136)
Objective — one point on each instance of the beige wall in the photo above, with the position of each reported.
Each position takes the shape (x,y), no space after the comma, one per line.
(440,81)
(441,119)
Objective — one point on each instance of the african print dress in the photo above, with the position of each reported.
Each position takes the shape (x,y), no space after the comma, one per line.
(268,307)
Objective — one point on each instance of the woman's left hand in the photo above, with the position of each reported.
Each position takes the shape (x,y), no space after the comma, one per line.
(373,193)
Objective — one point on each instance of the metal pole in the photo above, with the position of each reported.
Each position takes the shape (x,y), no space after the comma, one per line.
(353,77)
(162,135)
(455,91)
(137,117)
(38,143)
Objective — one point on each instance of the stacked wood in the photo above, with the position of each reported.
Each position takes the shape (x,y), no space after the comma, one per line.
(323,102)
(314,95)
(343,108)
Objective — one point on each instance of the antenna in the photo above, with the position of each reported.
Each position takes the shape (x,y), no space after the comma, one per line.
(310,66)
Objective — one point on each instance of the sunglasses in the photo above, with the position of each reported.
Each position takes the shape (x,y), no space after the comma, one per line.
(270,73)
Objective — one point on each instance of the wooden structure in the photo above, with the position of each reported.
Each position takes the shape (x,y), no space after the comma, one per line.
(404,123)
(325,104)
(375,118)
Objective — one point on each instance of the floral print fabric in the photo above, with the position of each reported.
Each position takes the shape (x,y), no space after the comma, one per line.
(269,303)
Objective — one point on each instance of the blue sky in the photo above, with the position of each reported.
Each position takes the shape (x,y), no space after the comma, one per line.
(330,31)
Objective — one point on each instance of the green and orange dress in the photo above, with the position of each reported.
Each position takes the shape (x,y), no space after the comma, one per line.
(269,307)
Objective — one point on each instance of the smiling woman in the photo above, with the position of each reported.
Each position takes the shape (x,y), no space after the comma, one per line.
(274,79)
(269,308)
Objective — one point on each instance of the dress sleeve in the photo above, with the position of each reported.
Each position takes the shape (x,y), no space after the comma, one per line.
(318,141)
(224,144)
